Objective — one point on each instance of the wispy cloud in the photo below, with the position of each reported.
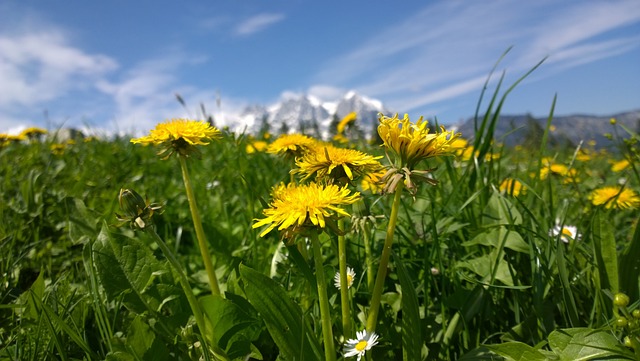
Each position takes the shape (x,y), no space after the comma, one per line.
(446,50)
(258,23)
(41,66)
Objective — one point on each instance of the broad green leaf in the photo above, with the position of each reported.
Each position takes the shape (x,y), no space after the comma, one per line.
(500,211)
(143,342)
(483,266)
(284,319)
(125,266)
(495,236)
(517,351)
(233,328)
(412,340)
(576,344)
(605,253)
(630,267)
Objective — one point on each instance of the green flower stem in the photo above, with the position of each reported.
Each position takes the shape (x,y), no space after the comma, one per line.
(376,296)
(327,333)
(344,285)
(184,282)
(197,223)
(366,234)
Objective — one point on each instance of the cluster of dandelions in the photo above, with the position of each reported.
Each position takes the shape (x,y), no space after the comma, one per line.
(307,209)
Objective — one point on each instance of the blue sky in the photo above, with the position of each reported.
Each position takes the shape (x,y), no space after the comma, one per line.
(117,65)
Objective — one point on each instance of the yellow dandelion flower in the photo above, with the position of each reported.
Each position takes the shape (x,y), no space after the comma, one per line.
(179,135)
(294,208)
(615,197)
(412,142)
(621,165)
(336,165)
(57,148)
(512,187)
(348,119)
(569,174)
(33,132)
(292,145)
(372,182)
(584,155)
(256,146)
(340,139)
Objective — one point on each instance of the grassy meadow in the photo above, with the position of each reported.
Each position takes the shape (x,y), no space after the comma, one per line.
(485,253)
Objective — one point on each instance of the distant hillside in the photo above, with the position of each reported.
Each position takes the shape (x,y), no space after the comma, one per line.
(566,130)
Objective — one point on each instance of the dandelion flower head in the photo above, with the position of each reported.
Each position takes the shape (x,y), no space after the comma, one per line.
(363,342)
(293,145)
(512,187)
(336,165)
(351,275)
(179,135)
(348,119)
(615,197)
(412,142)
(297,207)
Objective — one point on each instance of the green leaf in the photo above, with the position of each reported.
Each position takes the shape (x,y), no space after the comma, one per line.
(517,351)
(500,211)
(605,252)
(125,266)
(284,320)
(143,343)
(412,340)
(496,235)
(233,328)
(630,267)
(483,266)
(576,344)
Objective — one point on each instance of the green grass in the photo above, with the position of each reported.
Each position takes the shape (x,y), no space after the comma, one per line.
(475,273)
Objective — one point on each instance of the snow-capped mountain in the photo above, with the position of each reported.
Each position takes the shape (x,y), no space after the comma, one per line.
(307,114)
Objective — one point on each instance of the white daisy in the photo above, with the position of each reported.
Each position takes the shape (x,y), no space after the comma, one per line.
(566,233)
(364,342)
(351,275)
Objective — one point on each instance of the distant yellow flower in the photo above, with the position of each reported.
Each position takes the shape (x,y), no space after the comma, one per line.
(57,149)
(512,187)
(569,174)
(295,208)
(412,142)
(349,118)
(292,145)
(584,155)
(615,197)
(256,146)
(179,135)
(33,132)
(340,138)
(336,165)
(621,165)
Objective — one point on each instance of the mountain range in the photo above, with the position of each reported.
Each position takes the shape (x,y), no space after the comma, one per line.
(308,114)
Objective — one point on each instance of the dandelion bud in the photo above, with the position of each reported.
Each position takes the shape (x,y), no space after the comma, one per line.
(137,211)
(613,121)
(621,300)
(131,203)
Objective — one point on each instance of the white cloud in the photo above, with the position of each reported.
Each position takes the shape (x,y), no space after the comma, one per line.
(41,66)
(258,23)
